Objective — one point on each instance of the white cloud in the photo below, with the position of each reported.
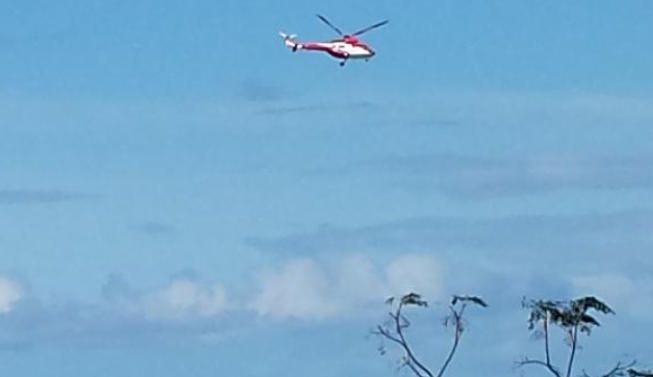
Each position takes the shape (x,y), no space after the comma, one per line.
(627,294)
(181,298)
(299,289)
(302,288)
(359,278)
(10,294)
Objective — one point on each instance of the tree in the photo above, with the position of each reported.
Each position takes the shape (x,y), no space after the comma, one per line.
(394,330)
(574,319)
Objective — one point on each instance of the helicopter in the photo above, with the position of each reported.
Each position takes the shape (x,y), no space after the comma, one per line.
(348,46)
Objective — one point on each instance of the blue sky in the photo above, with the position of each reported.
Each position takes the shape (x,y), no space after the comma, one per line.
(182,196)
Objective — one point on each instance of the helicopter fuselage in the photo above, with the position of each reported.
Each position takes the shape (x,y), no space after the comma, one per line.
(340,49)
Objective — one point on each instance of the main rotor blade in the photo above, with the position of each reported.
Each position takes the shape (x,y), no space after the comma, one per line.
(371,27)
(332,26)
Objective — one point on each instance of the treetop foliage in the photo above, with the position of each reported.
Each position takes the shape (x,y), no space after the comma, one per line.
(567,314)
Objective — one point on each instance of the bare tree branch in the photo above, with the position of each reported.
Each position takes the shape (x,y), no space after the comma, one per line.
(457,318)
(526,361)
(572,354)
(399,329)
(394,329)
(395,333)
(619,370)
(547,350)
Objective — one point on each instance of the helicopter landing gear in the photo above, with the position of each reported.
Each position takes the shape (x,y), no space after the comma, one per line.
(345,57)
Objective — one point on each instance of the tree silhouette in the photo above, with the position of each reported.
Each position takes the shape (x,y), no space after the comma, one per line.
(573,318)
(394,330)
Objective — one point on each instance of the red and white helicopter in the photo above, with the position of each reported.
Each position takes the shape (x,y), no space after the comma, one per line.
(348,46)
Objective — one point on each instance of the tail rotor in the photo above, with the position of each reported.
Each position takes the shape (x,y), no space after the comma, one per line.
(290,41)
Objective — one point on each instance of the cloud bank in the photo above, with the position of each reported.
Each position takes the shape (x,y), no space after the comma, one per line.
(345,287)
(303,289)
